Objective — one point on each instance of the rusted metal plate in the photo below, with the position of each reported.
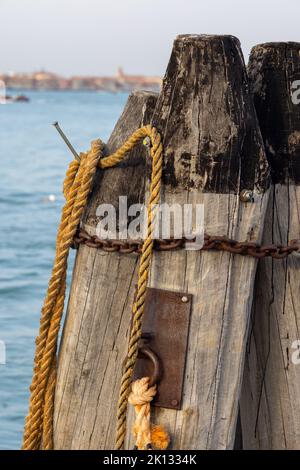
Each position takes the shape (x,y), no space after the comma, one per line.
(165,332)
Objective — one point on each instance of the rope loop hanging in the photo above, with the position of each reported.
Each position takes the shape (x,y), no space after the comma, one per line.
(38,431)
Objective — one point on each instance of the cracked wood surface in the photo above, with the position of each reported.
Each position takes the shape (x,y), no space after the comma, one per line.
(270,405)
(212,149)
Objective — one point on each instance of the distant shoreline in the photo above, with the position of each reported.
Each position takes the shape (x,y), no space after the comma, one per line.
(77,90)
(39,81)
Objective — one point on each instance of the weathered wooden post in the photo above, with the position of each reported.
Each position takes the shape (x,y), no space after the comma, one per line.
(95,333)
(270,405)
(212,151)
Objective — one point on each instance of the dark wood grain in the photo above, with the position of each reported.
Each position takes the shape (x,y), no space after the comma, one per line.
(205,113)
(273,68)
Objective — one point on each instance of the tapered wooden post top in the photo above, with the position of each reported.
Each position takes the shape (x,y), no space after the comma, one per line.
(128,178)
(205,113)
(269,403)
(274,71)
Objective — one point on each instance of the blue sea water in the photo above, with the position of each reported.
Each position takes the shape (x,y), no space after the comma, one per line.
(33,161)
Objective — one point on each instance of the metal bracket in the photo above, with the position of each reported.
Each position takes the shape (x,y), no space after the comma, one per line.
(165,334)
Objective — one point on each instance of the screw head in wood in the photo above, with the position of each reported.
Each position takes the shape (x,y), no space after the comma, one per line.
(184,299)
(174,402)
(246,195)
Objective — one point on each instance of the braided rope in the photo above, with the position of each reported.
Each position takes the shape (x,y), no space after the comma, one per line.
(39,422)
(49,409)
(138,306)
(76,189)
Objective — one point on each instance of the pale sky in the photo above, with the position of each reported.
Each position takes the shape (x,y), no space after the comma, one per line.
(94,37)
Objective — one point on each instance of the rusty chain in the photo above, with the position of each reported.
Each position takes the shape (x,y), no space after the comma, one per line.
(221,243)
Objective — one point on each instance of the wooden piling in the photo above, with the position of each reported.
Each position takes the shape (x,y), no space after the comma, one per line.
(95,336)
(270,405)
(212,150)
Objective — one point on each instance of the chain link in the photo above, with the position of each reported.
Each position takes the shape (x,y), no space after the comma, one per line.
(211,242)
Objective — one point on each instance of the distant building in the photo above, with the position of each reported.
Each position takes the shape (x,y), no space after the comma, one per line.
(138,82)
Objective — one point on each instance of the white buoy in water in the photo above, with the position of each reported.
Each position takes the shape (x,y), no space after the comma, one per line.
(50,198)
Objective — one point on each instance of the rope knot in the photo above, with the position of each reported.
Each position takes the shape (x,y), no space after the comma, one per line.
(141,393)
(97,146)
(147,436)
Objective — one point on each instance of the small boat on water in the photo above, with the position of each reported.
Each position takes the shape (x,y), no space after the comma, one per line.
(16,99)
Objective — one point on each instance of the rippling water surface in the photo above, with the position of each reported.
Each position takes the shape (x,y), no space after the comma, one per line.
(33,160)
